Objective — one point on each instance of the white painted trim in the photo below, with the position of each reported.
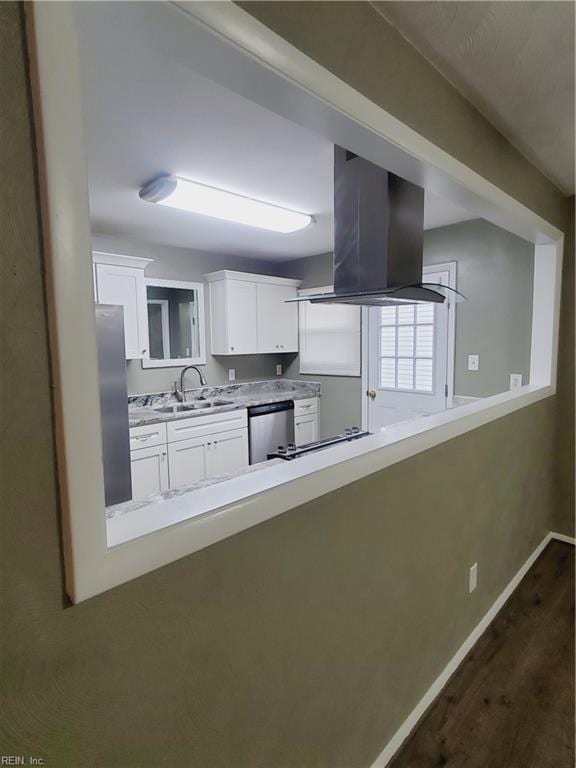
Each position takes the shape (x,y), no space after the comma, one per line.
(248,56)
(249,277)
(180,362)
(118,260)
(186,285)
(452,268)
(438,685)
(563,537)
(364,340)
(546,313)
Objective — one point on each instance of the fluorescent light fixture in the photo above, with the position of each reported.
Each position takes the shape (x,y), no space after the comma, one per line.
(187,195)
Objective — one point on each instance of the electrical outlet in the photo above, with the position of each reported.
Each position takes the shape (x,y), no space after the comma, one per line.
(231,374)
(473,362)
(473,578)
(278,370)
(515,380)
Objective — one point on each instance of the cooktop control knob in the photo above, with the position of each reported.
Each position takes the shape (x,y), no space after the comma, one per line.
(291,447)
(348,431)
(281,449)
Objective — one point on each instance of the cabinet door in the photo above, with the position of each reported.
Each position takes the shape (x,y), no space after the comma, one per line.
(187,461)
(149,469)
(227,452)
(125,286)
(277,321)
(306,429)
(241,317)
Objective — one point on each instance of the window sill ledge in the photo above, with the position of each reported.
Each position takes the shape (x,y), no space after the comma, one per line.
(207,515)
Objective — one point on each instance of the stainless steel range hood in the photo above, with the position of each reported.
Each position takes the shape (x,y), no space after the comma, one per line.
(378,237)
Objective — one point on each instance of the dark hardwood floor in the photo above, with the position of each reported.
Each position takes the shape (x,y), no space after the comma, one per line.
(511,704)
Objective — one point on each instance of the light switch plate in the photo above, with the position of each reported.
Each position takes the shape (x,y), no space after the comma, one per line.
(473,362)
(473,578)
(231,374)
(515,380)
(278,370)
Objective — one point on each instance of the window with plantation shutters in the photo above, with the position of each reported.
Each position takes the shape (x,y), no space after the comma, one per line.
(406,355)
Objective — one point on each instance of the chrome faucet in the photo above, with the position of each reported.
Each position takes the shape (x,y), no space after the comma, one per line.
(181,393)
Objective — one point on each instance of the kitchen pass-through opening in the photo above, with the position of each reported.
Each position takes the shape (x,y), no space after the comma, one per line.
(238,402)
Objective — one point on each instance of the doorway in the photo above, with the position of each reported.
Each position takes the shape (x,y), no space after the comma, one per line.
(409,365)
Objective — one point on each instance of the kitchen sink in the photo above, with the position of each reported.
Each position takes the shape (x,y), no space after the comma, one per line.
(194,406)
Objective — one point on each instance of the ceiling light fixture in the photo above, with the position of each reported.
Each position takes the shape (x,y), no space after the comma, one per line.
(192,196)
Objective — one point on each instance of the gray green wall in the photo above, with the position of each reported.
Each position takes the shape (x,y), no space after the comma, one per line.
(180,264)
(495,272)
(306,640)
(341,401)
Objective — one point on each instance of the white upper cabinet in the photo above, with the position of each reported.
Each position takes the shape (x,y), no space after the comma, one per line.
(248,313)
(233,317)
(120,281)
(277,321)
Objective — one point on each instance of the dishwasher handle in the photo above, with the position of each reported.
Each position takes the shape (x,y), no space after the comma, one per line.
(264,410)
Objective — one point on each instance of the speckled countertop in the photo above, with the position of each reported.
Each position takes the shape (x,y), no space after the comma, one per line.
(142,408)
(135,505)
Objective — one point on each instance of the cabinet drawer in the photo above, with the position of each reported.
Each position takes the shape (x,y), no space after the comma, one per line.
(303,407)
(199,426)
(147,436)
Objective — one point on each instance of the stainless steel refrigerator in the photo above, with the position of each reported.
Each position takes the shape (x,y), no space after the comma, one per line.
(113,403)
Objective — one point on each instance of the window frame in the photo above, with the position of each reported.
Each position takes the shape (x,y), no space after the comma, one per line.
(178,362)
(271,70)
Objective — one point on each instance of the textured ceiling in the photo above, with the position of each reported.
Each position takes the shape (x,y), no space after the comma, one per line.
(513,60)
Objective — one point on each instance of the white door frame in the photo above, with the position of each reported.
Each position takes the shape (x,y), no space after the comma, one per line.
(452,268)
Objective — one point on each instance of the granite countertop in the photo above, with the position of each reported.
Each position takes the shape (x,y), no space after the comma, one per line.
(137,504)
(142,408)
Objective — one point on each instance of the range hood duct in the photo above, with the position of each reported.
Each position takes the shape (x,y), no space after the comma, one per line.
(378,238)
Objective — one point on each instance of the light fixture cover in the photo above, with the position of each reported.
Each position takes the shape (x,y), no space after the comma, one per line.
(192,196)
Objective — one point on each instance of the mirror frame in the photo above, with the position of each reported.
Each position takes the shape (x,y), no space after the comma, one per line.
(179,362)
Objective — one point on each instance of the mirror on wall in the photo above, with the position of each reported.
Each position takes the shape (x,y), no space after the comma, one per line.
(175,323)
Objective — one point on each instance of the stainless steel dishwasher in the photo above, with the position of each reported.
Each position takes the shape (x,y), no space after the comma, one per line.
(269,426)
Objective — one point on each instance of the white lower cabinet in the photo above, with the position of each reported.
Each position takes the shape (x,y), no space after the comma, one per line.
(149,469)
(306,421)
(183,451)
(228,452)
(200,458)
(306,429)
(188,461)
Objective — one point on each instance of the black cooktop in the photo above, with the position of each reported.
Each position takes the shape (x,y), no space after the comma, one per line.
(290,451)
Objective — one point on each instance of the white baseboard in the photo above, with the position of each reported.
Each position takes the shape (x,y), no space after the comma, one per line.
(436,688)
(563,537)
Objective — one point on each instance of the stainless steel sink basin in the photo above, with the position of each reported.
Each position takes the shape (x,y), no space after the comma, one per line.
(193,406)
